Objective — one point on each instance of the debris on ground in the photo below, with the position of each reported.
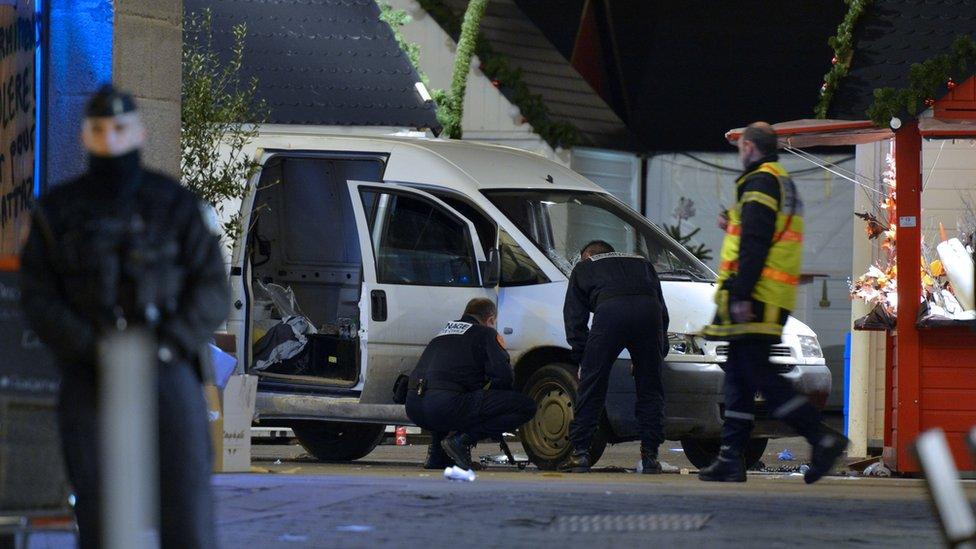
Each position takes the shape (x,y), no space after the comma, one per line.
(785,455)
(521,460)
(876,469)
(457,474)
(665,467)
(292,538)
(761,467)
(359,528)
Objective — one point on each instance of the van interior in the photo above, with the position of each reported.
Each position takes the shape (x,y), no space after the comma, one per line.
(306,268)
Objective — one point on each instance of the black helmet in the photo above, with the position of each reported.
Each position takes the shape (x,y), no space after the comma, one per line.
(108,101)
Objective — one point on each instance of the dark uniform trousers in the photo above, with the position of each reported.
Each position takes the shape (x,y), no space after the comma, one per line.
(482,414)
(632,323)
(187,507)
(747,371)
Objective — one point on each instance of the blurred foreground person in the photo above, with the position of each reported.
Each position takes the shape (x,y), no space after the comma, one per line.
(122,246)
(757,278)
(461,389)
(624,294)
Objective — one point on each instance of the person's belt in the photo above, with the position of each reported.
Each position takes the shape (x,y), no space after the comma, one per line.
(626,292)
(420,386)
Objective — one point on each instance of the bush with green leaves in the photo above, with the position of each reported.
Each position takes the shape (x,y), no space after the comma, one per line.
(219,118)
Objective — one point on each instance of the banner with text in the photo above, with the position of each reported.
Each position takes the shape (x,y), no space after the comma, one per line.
(18,106)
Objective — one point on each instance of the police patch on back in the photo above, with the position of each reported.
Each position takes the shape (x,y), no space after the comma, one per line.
(455,328)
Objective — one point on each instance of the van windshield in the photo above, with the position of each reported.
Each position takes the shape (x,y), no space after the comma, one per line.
(559,223)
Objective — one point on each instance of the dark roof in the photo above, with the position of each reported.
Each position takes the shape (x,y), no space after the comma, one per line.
(547,73)
(889,38)
(322,62)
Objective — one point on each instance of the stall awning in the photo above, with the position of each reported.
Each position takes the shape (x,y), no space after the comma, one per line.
(800,134)
(938,128)
(815,133)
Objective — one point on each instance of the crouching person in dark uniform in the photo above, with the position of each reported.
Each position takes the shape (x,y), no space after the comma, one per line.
(461,389)
(624,294)
(125,247)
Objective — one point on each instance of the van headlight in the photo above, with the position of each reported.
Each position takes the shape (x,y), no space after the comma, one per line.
(810,347)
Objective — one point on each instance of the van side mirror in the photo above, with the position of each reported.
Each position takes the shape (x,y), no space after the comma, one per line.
(491,269)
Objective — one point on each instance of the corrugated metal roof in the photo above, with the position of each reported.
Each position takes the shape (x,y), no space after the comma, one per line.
(548,74)
(890,37)
(322,62)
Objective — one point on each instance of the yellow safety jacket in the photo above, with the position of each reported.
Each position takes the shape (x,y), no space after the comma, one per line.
(774,294)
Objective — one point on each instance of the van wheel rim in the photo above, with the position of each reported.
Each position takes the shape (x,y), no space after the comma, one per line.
(548,432)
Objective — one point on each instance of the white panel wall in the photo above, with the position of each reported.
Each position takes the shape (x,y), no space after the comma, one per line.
(949,176)
(488,115)
(617,172)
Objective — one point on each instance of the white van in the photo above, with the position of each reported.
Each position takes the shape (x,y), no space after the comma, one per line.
(382,240)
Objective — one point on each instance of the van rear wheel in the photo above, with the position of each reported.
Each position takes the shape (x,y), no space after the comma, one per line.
(335,441)
(545,437)
(701,452)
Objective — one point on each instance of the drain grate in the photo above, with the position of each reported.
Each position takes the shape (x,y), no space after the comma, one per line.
(629,523)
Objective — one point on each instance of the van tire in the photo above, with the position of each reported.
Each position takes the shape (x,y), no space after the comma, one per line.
(335,441)
(701,452)
(545,438)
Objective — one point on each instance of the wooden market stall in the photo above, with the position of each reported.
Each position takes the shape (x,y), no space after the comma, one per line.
(931,366)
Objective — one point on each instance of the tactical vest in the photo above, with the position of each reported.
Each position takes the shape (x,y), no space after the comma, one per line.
(776,288)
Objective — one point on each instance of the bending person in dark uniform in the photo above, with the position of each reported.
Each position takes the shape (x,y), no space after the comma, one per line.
(461,389)
(125,246)
(624,294)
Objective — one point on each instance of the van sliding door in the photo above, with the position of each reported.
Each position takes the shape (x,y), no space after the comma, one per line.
(421,265)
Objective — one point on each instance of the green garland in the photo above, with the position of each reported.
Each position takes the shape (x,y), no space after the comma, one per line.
(396,19)
(926,81)
(843,45)
(496,67)
(462,65)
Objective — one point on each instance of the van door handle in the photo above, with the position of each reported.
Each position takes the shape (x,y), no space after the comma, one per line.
(377,299)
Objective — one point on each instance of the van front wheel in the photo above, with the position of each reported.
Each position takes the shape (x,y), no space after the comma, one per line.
(545,437)
(335,441)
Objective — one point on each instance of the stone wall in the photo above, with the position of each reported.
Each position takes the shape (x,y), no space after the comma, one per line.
(147,43)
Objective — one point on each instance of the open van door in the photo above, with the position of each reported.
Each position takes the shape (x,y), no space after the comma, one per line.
(240,279)
(422,263)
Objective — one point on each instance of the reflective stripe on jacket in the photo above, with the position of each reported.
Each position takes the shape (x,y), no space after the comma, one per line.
(774,293)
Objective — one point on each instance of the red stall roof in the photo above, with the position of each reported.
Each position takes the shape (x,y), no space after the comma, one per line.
(814,132)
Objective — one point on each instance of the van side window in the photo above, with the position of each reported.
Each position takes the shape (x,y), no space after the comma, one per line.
(417,242)
(486,227)
(518,269)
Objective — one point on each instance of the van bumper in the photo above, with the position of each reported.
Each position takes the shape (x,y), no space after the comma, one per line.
(694,403)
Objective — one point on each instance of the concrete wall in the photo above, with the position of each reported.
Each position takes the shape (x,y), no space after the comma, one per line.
(147,45)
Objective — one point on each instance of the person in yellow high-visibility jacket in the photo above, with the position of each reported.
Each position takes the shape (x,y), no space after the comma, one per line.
(758,273)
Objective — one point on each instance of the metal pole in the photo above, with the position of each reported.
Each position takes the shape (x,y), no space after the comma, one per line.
(127,404)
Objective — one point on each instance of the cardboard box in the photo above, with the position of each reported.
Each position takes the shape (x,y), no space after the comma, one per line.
(230,423)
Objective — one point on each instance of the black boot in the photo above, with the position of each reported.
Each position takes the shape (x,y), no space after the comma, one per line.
(649,463)
(825,454)
(727,468)
(436,457)
(458,448)
(578,462)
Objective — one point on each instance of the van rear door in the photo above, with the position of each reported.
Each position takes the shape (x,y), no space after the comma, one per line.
(421,265)
(240,278)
